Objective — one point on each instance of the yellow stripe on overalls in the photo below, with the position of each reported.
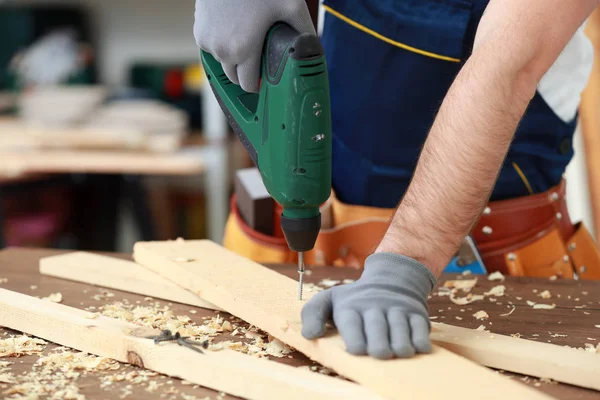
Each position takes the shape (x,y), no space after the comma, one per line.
(386,39)
(523,177)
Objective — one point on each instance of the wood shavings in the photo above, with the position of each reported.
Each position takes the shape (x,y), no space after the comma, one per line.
(463,284)
(515,335)
(553,278)
(592,348)
(596,326)
(482,328)
(556,335)
(468,299)
(311,287)
(21,346)
(496,291)
(544,306)
(458,318)
(496,276)
(481,315)
(508,313)
(347,281)
(466,273)
(103,295)
(54,297)
(33,287)
(327,283)
(71,361)
(545,294)
(3,280)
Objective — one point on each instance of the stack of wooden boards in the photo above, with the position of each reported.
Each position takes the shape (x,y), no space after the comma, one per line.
(204,274)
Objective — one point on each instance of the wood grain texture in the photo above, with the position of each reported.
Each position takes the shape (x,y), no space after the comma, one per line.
(267,300)
(497,351)
(522,356)
(224,370)
(589,112)
(118,274)
(16,163)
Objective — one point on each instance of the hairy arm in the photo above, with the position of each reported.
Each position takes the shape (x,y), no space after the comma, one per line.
(517,41)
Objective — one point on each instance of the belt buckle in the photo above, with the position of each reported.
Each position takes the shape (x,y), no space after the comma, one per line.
(467,258)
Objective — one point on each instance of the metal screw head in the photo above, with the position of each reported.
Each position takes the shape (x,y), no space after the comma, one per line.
(319,137)
(566,259)
(512,256)
(559,216)
(487,230)
(582,269)
(572,246)
(554,196)
(487,211)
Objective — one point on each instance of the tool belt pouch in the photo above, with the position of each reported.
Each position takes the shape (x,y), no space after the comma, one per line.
(546,254)
(584,253)
(245,241)
(348,244)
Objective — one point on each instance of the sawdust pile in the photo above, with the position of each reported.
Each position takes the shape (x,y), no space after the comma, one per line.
(53,376)
(161,318)
(21,346)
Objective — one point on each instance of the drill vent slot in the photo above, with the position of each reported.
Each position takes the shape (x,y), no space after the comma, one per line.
(313,74)
(311,65)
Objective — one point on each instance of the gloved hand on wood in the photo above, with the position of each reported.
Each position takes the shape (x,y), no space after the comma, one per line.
(383,314)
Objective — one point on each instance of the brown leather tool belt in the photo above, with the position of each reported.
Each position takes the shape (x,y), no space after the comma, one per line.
(534,236)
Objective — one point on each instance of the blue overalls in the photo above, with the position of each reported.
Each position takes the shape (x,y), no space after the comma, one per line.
(391,63)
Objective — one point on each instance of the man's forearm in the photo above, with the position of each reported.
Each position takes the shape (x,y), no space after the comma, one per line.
(460,160)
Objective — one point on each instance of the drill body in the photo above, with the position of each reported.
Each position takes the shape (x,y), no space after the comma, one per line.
(286,127)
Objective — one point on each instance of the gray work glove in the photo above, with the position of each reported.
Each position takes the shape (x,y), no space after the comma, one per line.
(383,314)
(234,32)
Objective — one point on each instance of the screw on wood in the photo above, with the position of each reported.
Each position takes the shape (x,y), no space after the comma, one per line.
(168,336)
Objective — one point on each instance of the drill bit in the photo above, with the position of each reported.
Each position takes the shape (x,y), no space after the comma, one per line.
(301,273)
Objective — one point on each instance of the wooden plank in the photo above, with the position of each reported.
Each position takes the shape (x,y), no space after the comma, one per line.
(497,351)
(268,300)
(234,373)
(63,161)
(118,274)
(15,134)
(522,356)
(590,120)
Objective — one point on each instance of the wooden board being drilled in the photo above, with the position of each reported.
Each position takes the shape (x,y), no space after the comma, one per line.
(267,300)
(234,373)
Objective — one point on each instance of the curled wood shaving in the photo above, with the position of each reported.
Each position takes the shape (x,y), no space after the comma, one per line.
(468,299)
(482,328)
(496,291)
(54,297)
(508,313)
(515,335)
(496,276)
(481,315)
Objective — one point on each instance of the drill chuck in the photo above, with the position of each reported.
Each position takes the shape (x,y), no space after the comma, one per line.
(301,233)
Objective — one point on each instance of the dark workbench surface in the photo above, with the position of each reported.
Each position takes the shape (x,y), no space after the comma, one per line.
(564,325)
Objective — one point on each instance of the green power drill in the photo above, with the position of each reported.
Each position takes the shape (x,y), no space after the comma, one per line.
(286,129)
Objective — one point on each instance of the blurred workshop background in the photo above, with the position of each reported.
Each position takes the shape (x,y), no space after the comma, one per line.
(109,133)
